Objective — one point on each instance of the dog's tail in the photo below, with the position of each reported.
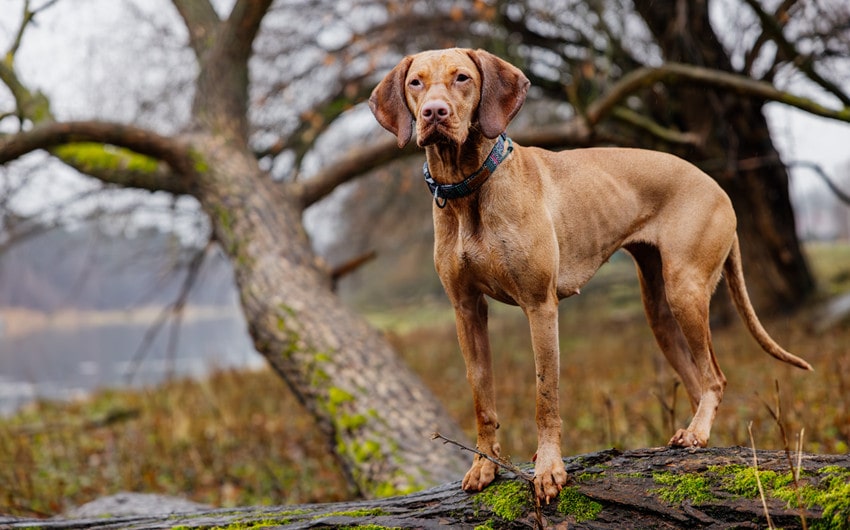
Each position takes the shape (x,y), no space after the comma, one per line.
(735,279)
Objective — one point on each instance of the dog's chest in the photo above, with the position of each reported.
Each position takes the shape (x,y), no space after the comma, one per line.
(485,260)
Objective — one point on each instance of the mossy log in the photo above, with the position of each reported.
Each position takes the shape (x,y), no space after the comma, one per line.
(647,488)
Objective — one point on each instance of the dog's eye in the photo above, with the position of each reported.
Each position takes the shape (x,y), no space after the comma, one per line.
(415,83)
(461,78)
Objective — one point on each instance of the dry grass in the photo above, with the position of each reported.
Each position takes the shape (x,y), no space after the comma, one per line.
(616,388)
(215,442)
(239,438)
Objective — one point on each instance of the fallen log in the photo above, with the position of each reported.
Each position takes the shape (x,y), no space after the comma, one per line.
(646,488)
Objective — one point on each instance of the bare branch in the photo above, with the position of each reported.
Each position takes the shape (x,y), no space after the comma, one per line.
(28,16)
(346,268)
(202,22)
(30,105)
(819,171)
(16,42)
(243,25)
(806,65)
(174,310)
(684,73)
(356,162)
(53,135)
(654,128)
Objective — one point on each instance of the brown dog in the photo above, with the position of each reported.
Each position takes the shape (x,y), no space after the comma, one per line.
(528,227)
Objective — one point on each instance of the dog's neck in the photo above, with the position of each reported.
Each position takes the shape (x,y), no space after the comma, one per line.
(451,163)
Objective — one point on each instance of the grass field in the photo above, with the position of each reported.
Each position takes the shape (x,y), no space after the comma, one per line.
(215,442)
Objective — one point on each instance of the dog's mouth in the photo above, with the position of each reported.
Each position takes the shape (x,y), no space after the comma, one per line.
(437,133)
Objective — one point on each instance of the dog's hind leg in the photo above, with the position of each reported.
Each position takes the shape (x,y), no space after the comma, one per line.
(689,289)
(664,326)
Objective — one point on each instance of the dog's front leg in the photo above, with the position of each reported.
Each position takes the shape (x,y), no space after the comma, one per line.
(549,473)
(471,319)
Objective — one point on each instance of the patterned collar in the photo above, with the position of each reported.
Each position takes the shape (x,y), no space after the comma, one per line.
(471,183)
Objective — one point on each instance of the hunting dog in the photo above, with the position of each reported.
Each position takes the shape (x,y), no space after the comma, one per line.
(528,227)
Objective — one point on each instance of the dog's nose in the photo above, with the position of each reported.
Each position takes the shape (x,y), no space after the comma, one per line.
(435,111)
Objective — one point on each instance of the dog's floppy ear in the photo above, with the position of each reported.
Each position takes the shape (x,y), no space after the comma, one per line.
(503,90)
(389,106)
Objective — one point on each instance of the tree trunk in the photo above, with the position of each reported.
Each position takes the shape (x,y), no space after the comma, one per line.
(378,416)
(737,151)
(376,413)
(647,488)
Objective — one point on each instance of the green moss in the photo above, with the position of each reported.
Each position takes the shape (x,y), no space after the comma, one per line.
(369,527)
(835,470)
(831,494)
(365,512)
(488,525)
(584,477)
(571,501)
(828,490)
(336,398)
(679,488)
(199,163)
(89,156)
(254,525)
(507,499)
(366,451)
(741,480)
(388,489)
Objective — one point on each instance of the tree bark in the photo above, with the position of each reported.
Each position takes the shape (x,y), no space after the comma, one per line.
(734,133)
(646,488)
(377,414)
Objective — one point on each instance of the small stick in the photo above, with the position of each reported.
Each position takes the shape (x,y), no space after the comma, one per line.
(758,480)
(504,464)
(777,418)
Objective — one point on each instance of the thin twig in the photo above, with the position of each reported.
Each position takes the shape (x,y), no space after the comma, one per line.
(668,411)
(758,480)
(504,464)
(174,310)
(799,453)
(777,417)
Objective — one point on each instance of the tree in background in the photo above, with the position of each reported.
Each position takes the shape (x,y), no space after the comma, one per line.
(274,126)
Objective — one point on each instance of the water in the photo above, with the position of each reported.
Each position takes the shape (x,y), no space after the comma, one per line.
(61,361)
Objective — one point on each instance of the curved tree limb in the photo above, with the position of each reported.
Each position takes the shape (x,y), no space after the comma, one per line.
(355,162)
(645,123)
(840,194)
(685,73)
(145,173)
(115,166)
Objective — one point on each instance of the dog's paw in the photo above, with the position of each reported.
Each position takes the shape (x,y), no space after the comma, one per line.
(550,477)
(482,473)
(685,438)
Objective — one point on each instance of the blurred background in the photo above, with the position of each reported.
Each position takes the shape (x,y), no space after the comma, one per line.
(121,331)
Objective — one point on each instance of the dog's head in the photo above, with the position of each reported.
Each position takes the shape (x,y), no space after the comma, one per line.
(447,93)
